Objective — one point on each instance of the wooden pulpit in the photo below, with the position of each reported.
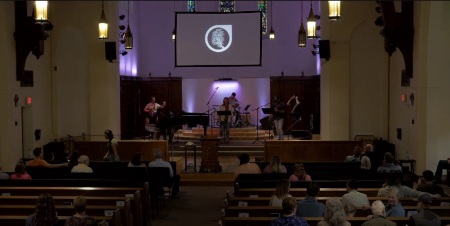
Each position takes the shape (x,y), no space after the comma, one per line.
(210,155)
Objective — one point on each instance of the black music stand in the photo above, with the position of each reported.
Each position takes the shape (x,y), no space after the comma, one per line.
(269,111)
(224,113)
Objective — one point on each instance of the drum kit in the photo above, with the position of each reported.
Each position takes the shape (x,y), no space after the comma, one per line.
(238,120)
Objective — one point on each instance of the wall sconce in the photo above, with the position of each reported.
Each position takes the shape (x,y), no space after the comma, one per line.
(30,33)
(103,25)
(334,8)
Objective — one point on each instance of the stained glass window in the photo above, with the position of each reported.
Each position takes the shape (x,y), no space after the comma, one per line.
(191,6)
(227,6)
(262,6)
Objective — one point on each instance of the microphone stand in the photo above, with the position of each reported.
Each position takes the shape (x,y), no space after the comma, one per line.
(210,115)
(257,122)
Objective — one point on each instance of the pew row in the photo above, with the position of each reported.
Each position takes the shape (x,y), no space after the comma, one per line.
(301,192)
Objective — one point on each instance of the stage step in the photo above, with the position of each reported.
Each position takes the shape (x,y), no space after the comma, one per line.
(245,133)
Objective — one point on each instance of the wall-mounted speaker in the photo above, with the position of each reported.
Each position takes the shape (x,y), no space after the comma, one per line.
(324,49)
(110,51)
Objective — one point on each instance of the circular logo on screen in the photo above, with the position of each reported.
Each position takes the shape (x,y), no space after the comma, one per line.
(218,38)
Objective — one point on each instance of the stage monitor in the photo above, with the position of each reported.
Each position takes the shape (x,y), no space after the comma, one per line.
(218,39)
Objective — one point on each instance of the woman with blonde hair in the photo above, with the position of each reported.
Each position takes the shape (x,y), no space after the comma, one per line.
(300,173)
(45,212)
(334,214)
(80,217)
(281,192)
(275,166)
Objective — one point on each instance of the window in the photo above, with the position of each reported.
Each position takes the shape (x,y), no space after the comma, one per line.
(262,6)
(227,6)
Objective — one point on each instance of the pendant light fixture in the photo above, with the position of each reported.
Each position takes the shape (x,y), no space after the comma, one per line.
(41,11)
(301,33)
(334,8)
(271,32)
(103,25)
(311,24)
(128,34)
(174,32)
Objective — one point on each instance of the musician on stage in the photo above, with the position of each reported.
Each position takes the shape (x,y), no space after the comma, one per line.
(225,120)
(278,116)
(295,112)
(151,111)
(234,102)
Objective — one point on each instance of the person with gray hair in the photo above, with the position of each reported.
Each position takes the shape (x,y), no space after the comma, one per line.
(334,214)
(379,216)
(159,162)
(3,176)
(83,165)
(80,217)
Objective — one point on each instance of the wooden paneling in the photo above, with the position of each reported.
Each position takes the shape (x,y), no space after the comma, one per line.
(96,150)
(309,150)
(135,93)
(308,90)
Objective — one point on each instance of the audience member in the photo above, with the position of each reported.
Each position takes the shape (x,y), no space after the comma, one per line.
(393,181)
(73,160)
(246,167)
(426,184)
(39,161)
(289,218)
(443,164)
(379,216)
(20,173)
(45,213)
(275,166)
(356,155)
(366,162)
(424,217)
(136,161)
(3,176)
(349,208)
(355,197)
(394,208)
(310,207)
(334,214)
(281,192)
(159,162)
(112,146)
(388,165)
(80,218)
(83,165)
(300,173)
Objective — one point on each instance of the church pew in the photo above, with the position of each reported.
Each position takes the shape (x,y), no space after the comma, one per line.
(62,200)
(63,210)
(264,201)
(301,192)
(355,221)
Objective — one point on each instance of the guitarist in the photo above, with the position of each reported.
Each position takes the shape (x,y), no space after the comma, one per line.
(151,111)
(278,116)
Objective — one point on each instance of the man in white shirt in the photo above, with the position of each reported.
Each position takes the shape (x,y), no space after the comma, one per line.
(83,165)
(355,197)
(159,162)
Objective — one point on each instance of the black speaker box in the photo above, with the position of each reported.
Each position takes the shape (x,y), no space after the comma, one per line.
(265,123)
(110,51)
(301,134)
(324,49)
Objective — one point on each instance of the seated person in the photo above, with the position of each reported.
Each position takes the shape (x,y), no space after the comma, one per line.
(393,180)
(349,208)
(45,213)
(300,173)
(356,155)
(80,217)
(388,165)
(159,162)
(424,217)
(281,192)
(83,165)
(310,207)
(394,208)
(426,184)
(334,214)
(356,198)
(443,164)
(39,161)
(275,166)
(289,205)
(246,167)
(20,173)
(136,161)
(366,156)
(73,160)
(379,216)
(3,176)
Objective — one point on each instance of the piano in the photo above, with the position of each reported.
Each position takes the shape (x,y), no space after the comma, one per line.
(179,118)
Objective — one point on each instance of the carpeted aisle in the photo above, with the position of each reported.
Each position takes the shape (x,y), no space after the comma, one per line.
(196,205)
